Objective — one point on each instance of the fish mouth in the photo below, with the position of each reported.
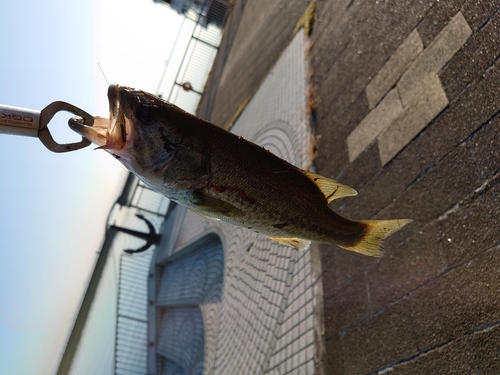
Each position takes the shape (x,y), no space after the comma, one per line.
(109,134)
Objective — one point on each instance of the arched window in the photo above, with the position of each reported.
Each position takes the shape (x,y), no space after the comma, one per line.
(188,288)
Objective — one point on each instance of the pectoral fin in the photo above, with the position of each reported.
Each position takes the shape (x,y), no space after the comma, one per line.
(293,242)
(331,189)
(216,206)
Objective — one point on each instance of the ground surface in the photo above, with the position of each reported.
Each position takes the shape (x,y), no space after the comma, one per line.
(407,113)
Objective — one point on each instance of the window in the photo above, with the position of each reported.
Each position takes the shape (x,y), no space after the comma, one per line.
(189,288)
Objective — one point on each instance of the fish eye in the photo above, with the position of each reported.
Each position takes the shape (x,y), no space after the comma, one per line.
(143,112)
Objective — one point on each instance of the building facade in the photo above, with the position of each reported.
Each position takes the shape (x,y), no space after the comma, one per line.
(226,300)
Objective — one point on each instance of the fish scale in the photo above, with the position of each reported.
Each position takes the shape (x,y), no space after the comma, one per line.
(273,178)
(220,175)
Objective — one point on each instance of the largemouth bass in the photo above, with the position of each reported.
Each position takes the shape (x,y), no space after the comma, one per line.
(220,175)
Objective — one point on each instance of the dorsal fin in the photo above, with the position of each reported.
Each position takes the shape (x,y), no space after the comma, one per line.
(298,243)
(331,189)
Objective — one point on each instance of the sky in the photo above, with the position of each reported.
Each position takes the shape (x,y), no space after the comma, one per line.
(53,207)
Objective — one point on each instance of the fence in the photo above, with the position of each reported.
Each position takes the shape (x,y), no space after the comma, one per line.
(109,332)
(131,320)
(206,22)
(131,309)
(148,201)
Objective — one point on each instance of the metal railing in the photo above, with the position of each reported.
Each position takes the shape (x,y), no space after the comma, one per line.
(131,320)
(92,344)
(207,22)
(148,201)
(131,309)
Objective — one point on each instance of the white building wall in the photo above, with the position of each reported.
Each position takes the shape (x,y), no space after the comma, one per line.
(269,318)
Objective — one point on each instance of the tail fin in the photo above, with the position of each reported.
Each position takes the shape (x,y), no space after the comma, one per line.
(378,230)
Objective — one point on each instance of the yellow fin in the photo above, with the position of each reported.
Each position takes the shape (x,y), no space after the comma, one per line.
(331,189)
(204,215)
(293,242)
(216,206)
(378,230)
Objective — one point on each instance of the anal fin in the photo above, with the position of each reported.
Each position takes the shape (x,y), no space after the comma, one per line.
(331,189)
(298,243)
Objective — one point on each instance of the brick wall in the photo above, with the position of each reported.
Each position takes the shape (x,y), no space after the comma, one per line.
(408,104)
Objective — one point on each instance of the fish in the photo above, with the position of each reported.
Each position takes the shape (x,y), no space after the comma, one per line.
(220,175)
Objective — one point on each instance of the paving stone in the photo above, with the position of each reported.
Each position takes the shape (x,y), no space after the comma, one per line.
(440,188)
(422,106)
(434,56)
(393,68)
(331,80)
(484,146)
(350,74)
(442,137)
(360,171)
(485,346)
(405,19)
(354,113)
(329,270)
(360,27)
(382,189)
(472,226)
(380,340)
(453,358)
(333,356)
(478,12)
(450,128)
(418,260)
(351,265)
(366,47)
(333,156)
(344,22)
(380,118)
(390,23)
(458,302)
(438,16)
(479,52)
(345,305)
(461,118)
(329,18)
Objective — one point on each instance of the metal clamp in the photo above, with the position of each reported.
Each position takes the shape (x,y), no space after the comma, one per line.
(31,123)
(48,113)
